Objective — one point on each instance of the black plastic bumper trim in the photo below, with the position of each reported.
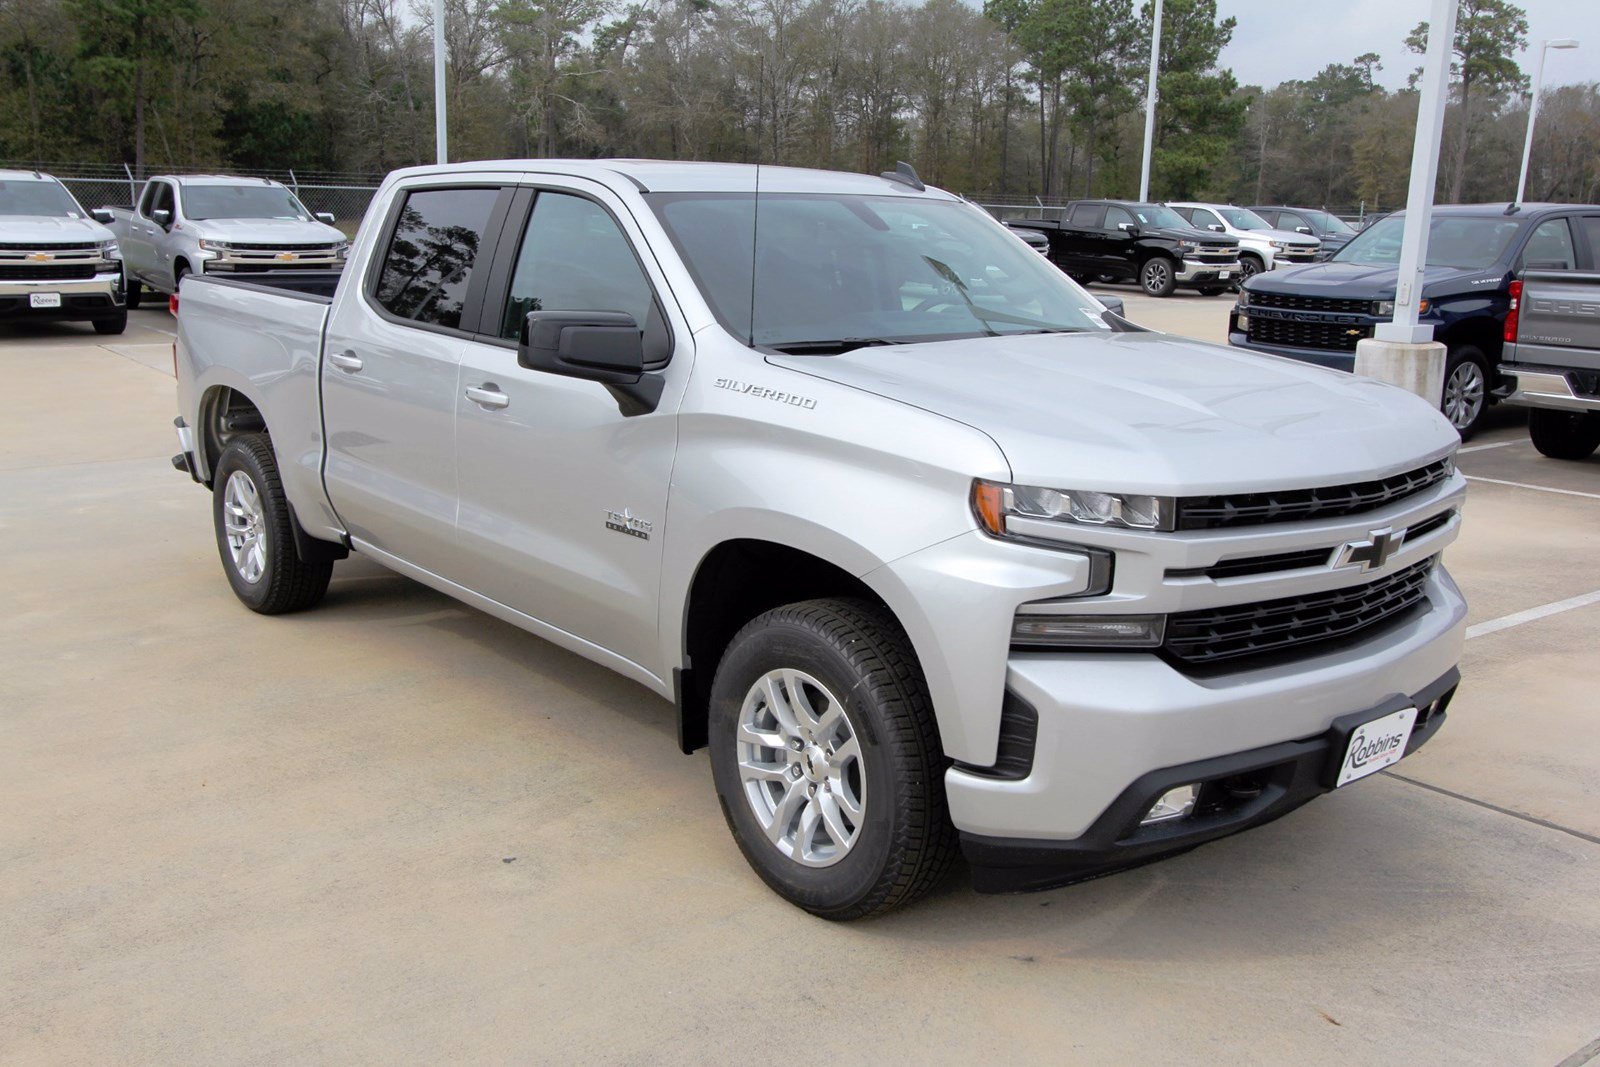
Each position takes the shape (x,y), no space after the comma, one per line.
(1280,777)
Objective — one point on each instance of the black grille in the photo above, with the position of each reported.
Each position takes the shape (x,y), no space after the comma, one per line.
(1294,505)
(1336,336)
(1238,568)
(254,247)
(47,272)
(1294,302)
(1427,526)
(47,246)
(1293,624)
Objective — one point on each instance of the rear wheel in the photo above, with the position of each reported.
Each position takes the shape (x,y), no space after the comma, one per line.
(1564,434)
(1156,277)
(827,760)
(255,533)
(111,326)
(1466,389)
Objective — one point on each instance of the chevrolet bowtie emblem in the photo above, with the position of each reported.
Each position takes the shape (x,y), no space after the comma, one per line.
(287,257)
(40,257)
(1371,553)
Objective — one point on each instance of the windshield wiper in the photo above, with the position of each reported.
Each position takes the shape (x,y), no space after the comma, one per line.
(835,347)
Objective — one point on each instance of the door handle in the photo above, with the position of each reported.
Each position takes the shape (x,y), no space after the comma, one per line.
(346,361)
(487,395)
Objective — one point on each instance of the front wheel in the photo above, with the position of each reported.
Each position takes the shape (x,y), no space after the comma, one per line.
(111,326)
(1249,267)
(255,535)
(1564,434)
(1156,276)
(827,760)
(1213,290)
(1466,389)
(134,295)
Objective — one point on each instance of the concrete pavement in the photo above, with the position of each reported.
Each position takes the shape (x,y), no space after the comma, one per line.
(396,830)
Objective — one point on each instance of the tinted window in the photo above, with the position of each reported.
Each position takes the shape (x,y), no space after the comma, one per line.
(162,200)
(1088,215)
(574,258)
(431,253)
(1550,247)
(147,202)
(1116,216)
(1591,232)
(1288,220)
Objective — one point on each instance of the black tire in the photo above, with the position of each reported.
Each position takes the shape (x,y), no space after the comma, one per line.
(135,295)
(1158,276)
(1249,267)
(111,326)
(905,842)
(179,272)
(1213,290)
(1466,389)
(286,583)
(1564,434)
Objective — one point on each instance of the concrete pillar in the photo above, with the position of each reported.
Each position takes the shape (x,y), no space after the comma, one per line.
(1415,367)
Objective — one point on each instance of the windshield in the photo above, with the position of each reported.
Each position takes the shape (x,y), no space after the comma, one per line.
(38,198)
(1453,241)
(241,202)
(857,269)
(1327,223)
(1159,215)
(1243,218)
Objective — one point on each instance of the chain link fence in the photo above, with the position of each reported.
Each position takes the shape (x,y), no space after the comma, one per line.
(345,196)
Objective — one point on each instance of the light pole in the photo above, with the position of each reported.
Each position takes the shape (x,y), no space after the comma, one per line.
(1533,109)
(441,135)
(1150,105)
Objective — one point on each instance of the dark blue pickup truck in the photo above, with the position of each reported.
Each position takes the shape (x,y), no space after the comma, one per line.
(1317,313)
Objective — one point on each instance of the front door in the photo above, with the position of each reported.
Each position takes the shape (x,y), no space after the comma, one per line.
(564,498)
(390,368)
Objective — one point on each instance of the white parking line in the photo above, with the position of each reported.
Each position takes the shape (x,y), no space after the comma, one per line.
(1505,622)
(1525,485)
(1483,448)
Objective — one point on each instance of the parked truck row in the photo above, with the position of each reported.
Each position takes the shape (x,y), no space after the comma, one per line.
(935,554)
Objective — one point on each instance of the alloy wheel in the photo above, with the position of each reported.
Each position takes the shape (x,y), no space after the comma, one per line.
(245,523)
(800,767)
(1464,394)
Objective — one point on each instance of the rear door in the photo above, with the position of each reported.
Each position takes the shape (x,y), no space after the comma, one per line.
(1083,239)
(139,248)
(390,368)
(564,497)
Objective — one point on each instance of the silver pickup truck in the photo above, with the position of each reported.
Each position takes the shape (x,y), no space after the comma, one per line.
(1552,359)
(58,262)
(935,554)
(219,224)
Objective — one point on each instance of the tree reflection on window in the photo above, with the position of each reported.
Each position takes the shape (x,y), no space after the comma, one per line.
(431,254)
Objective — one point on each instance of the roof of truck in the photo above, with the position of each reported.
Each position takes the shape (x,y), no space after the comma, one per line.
(214,179)
(27,176)
(675,176)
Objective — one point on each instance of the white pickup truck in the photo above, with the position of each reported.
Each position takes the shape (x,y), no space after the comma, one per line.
(935,554)
(58,262)
(219,224)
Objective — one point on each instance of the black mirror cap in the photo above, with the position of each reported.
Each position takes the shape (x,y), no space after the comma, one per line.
(102,215)
(1112,304)
(327,217)
(598,346)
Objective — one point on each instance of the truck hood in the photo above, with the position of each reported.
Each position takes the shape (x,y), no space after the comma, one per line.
(1189,233)
(1148,413)
(51,229)
(1286,236)
(268,231)
(1358,281)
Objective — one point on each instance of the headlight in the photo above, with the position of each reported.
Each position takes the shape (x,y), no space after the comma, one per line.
(342,250)
(1384,309)
(214,246)
(1244,297)
(994,504)
(1279,246)
(1186,247)
(110,250)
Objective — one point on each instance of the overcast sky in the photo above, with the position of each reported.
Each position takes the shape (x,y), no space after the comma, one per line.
(1277,40)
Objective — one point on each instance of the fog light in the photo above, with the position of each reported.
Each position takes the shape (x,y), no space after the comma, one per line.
(1242,322)
(1088,631)
(1173,804)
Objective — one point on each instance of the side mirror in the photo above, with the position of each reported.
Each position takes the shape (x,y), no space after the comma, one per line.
(1302,229)
(1215,227)
(161,217)
(1128,227)
(101,215)
(327,217)
(1113,304)
(596,346)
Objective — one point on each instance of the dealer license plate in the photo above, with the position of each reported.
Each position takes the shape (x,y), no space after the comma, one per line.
(44,300)
(1375,745)
(1223,276)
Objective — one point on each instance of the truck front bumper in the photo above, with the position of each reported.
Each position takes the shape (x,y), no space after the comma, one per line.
(1197,272)
(99,297)
(1115,731)
(1550,387)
